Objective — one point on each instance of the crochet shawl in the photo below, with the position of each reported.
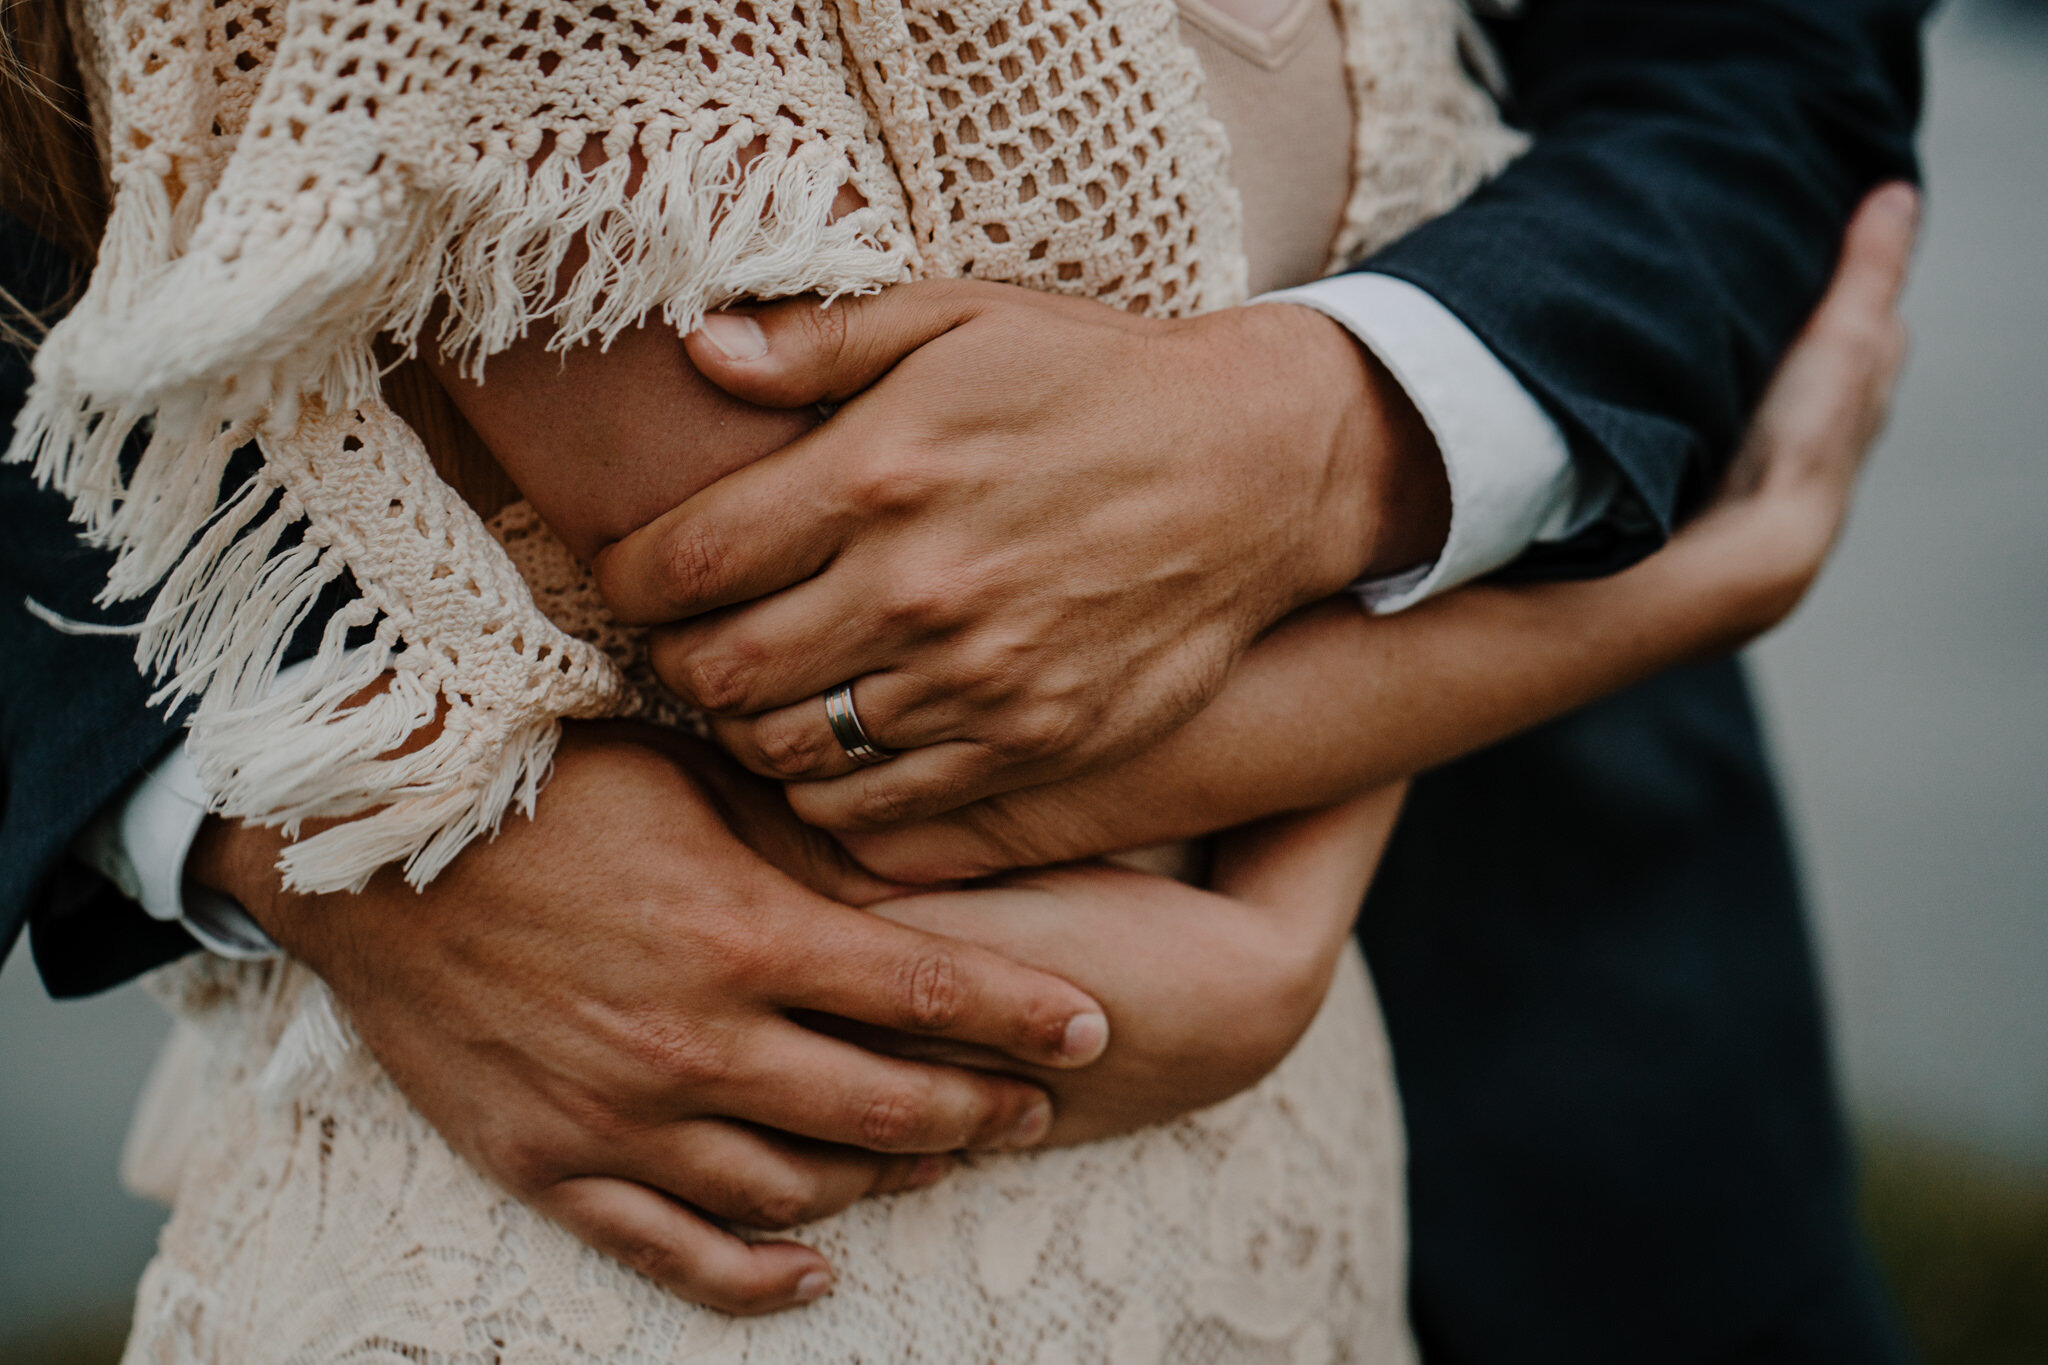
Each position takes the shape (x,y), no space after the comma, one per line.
(296,182)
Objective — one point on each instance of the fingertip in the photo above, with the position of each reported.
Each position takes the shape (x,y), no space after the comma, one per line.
(914,859)
(662,1239)
(616,572)
(1085,1038)
(803,1277)
(1877,248)
(813,1285)
(1885,227)
(1900,201)
(735,338)
(747,354)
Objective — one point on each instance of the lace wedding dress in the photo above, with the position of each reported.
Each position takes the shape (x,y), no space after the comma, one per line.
(319,1218)
(340,1227)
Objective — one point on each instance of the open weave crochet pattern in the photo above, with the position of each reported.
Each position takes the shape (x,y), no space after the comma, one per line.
(295,179)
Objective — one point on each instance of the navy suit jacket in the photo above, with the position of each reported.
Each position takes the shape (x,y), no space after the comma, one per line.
(1587,941)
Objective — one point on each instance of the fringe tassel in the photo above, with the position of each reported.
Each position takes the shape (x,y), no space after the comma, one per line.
(326,746)
(245,327)
(315,1045)
(64,625)
(704,226)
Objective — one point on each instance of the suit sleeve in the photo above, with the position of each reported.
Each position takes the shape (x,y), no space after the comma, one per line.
(1643,266)
(75,723)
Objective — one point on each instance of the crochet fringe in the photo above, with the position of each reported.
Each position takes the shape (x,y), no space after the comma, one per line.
(209,353)
(696,226)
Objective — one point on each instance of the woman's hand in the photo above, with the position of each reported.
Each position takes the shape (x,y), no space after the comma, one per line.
(1206,990)
(1334,702)
(1786,495)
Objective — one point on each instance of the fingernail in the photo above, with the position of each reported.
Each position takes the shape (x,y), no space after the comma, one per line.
(1030,1126)
(734,335)
(1086,1036)
(815,1285)
(1900,200)
(928,1171)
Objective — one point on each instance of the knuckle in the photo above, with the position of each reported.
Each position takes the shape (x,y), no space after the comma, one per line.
(882,804)
(789,1202)
(689,565)
(1000,662)
(650,1256)
(825,332)
(716,680)
(1041,731)
(921,606)
(680,1054)
(933,993)
(987,656)
(1026,728)
(787,749)
(517,1160)
(743,952)
(599,1117)
(892,1119)
(893,482)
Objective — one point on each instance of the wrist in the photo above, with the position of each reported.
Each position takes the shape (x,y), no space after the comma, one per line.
(1385,504)
(239,860)
(1409,489)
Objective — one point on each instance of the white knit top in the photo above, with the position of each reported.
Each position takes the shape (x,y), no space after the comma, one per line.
(294,179)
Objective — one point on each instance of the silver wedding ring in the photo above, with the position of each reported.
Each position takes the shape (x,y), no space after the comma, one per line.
(847,729)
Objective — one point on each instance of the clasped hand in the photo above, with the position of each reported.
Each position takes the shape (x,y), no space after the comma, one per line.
(1035,538)
(593,1008)
(623,1009)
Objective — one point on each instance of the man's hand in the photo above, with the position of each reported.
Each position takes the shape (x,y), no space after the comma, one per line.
(593,1009)
(1039,541)
(1333,702)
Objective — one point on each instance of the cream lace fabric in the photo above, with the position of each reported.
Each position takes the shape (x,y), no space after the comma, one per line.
(319,1218)
(296,178)
(338,1226)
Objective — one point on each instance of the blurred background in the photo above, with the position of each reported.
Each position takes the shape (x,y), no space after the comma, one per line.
(1909,704)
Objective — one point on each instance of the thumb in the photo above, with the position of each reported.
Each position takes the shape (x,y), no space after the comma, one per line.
(798,352)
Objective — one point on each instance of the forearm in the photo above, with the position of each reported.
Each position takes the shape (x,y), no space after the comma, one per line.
(1395,696)
(602,442)
(1334,703)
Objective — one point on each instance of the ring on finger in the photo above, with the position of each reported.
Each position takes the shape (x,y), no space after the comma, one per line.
(847,729)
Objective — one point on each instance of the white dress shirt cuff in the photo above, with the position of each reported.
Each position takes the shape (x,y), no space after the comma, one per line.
(1512,478)
(141,842)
